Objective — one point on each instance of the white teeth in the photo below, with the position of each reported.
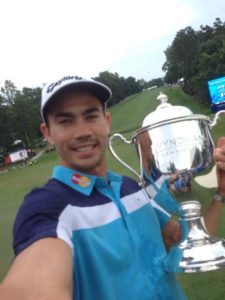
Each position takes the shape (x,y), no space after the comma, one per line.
(84,149)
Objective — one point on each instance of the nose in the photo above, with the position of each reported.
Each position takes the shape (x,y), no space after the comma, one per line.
(81,129)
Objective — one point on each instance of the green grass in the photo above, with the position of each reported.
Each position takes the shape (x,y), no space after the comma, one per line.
(127,117)
(129,114)
(13,186)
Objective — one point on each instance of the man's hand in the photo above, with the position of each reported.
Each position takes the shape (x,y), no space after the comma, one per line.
(171,234)
(180,183)
(213,213)
(219,156)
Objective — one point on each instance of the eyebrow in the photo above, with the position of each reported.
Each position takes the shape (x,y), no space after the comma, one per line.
(63,114)
(91,110)
(69,114)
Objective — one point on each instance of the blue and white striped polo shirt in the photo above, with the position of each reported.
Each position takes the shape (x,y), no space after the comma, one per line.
(113,232)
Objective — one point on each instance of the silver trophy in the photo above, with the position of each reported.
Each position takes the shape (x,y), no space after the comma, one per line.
(174,140)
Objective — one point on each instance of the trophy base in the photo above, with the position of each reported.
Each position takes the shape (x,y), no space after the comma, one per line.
(203,258)
(201,253)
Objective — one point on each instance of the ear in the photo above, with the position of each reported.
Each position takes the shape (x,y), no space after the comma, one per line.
(45,130)
(108,120)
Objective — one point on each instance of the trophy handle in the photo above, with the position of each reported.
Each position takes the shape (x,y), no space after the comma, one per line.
(121,137)
(214,122)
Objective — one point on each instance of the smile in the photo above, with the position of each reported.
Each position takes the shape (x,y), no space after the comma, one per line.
(82,149)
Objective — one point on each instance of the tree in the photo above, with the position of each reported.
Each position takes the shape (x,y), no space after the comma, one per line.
(210,61)
(196,56)
(156,82)
(8,92)
(26,118)
(5,125)
(132,86)
(19,115)
(180,56)
(121,87)
(7,97)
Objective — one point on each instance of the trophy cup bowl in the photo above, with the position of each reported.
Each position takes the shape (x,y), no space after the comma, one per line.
(174,140)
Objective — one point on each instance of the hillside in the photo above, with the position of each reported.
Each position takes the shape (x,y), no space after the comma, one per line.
(128,114)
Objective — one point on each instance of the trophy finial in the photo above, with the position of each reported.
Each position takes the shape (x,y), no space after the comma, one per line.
(162,98)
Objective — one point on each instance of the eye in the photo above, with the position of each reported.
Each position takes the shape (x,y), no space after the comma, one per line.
(92,116)
(64,121)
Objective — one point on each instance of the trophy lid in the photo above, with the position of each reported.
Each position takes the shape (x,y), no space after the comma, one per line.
(165,111)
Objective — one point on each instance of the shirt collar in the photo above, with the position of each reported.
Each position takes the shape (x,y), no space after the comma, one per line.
(81,182)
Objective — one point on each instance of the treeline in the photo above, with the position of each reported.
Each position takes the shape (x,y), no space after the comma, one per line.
(196,56)
(20,110)
(123,87)
(19,115)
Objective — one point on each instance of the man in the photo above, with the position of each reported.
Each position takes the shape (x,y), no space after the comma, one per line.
(88,233)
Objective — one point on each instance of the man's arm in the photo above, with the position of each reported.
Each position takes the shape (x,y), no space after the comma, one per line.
(213,212)
(43,271)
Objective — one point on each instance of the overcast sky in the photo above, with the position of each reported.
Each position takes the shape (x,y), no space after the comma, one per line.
(45,39)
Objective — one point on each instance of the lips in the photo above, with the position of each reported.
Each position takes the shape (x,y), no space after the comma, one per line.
(83,149)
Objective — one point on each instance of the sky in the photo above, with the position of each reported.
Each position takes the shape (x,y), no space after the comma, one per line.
(44,40)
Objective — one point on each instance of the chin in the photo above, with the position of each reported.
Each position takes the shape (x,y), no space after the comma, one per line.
(83,167)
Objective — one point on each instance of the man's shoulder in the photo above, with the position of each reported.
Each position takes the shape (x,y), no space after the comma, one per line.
(41,202)
(51,187)
(53,192)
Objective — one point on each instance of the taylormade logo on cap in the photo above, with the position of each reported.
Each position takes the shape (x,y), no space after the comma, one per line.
(51,87)
(100,90)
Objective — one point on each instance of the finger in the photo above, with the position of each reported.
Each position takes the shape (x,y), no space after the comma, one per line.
(219,152)
(221,142)
(220,164)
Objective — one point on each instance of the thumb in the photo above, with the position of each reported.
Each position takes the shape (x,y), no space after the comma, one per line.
(219,156)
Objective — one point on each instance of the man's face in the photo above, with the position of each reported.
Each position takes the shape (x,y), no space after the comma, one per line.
(79,128)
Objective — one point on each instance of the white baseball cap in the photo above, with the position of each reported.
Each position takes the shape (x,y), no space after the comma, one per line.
(100,90)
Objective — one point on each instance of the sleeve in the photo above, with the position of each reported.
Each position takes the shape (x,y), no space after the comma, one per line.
(37,218)
(162,214)
(159,191)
